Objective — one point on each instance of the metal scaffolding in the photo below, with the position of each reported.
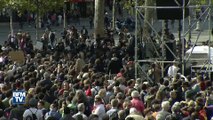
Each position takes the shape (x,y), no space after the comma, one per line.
(183,34)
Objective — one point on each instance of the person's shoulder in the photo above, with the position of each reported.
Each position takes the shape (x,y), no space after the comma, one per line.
(27,110)
(74,116)
(39,111)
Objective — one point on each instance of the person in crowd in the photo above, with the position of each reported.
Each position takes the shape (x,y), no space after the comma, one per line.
(134,114)
(136,102)
(114,108)
(95,80)
(99,108)
(81,110)
(161,115)
(17,112)
(54,113)
(173,70)
(41,106)
(32,112)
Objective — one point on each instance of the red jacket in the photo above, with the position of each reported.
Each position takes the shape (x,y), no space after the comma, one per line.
(138,104)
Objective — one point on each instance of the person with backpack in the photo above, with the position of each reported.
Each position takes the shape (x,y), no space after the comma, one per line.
(32,113)
(113,112)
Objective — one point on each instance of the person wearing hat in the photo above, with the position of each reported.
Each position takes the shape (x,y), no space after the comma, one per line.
(33,110)
(136,102)
(99,108)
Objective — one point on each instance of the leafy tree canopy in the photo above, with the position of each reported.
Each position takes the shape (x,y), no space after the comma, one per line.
(32,5)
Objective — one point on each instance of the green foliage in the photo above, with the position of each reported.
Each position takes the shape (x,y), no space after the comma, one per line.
(2,4)
(129,5)
(32,5)
(201,2)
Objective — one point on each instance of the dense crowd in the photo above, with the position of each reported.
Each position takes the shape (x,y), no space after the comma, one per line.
(82,78)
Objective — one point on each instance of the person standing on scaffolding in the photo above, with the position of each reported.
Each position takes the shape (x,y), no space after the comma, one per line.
(155,72)
(173,70)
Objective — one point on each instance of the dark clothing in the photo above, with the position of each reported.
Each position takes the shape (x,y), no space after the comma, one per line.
(67,117)
(209,111)
(46,83)
(17,113)
(114,66)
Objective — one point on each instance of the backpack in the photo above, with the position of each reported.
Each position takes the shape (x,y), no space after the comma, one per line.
(32,116)
(114,116)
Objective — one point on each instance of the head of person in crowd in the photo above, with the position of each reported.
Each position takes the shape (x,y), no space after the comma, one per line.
(93,117)
(81,107)
(53,107)
(33,102)
(165,105)
(98,100)
(41,104)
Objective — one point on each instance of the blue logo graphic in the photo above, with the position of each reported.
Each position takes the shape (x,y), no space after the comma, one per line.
(19,97)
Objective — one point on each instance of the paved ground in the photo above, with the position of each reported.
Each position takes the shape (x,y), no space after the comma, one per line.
(4,29)
(204,35)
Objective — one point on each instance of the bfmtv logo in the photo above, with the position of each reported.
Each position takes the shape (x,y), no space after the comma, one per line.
(19,97)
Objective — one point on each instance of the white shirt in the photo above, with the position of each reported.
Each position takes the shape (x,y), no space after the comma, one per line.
(172,71)
(38,113)
(99,110)
(80,113)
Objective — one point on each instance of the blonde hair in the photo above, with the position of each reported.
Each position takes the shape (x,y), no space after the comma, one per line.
(102,93)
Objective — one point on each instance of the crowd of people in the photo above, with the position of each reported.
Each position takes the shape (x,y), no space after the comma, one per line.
(81,78)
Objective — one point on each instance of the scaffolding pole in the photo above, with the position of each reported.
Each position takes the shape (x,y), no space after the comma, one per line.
(183,38)
(183,33)
(136,38)
(210,36)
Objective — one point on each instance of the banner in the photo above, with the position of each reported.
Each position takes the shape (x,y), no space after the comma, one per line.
(17,56)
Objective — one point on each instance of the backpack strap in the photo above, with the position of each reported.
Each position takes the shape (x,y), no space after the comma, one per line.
(32,112)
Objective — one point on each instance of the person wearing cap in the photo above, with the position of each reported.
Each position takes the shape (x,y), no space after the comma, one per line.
(99,108)
(136,102)
(33,110)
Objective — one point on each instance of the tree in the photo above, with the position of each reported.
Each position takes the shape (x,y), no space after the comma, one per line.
(99,18)
(11,5)
(2,4)
(40,7)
